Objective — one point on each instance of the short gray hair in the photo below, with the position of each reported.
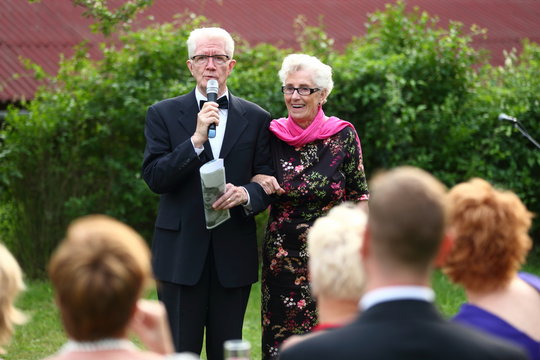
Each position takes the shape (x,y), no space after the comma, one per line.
(334,243)
(210,33)
(321,73)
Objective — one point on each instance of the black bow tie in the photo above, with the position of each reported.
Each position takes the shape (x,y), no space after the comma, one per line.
(222,102)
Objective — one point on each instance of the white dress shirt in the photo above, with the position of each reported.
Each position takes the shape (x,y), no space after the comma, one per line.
(217,141)
(391,293)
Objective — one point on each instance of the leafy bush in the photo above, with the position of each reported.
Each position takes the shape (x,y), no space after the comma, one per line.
(80,149)
(421,95)
(398,82)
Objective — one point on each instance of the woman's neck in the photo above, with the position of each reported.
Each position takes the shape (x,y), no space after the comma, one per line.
(482,298)
(303,124)
(336,311)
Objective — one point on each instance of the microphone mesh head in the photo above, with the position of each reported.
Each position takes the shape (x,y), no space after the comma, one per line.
(212,86)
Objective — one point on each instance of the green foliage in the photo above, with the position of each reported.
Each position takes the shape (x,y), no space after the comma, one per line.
(314,40)
(108,20)
(255,76)
(417,93)
(80,149)
(504,155)
(398,82)
(421,95)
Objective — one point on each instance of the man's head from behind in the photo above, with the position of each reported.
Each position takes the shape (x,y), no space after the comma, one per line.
(407,219)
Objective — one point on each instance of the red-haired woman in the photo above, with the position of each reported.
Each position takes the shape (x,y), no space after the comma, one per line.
(492,242)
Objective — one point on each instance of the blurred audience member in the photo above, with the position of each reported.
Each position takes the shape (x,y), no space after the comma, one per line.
(99,272)
(404,236)
(11,284)
(336,275)
(491,228)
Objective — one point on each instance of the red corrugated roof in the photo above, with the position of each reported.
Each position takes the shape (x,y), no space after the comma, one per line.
(42,31)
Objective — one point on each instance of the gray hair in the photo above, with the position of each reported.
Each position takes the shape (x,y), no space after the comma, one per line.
(210,33)
(334,243)
(321,73)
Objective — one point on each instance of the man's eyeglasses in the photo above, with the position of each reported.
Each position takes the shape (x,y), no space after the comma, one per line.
(203,59)
(304,91)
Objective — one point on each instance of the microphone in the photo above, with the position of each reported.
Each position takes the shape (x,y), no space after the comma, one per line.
(504,117)
(212,88)
(517,125)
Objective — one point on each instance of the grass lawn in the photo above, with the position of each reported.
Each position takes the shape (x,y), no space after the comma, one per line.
(43,334)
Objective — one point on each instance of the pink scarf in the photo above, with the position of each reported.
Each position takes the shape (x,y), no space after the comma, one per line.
(287,130)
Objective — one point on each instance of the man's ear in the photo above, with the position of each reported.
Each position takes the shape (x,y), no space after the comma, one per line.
(231,64)
(445,248)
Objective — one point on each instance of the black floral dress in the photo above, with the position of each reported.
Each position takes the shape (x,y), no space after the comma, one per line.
(316,177)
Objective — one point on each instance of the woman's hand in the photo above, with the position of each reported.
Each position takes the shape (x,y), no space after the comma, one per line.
(150,324)
(268,183)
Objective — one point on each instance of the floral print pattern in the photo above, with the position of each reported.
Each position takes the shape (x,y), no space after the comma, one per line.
(316,177)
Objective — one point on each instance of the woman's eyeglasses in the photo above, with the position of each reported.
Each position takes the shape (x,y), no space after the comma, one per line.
(304,91)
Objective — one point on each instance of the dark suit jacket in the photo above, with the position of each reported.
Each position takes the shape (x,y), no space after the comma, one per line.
(401,330)
(171,168)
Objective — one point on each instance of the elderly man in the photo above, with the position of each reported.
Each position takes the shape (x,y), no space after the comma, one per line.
(404,235)
(205,275)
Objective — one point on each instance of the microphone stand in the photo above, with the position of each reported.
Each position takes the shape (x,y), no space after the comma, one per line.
(522,130)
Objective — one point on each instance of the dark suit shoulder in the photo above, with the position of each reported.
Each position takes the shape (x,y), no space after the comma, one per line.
(416,331)
(476,343)
(175,101)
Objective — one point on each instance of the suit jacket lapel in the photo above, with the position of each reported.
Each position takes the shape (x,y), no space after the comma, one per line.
(188,118)
(208,150)
(236,123)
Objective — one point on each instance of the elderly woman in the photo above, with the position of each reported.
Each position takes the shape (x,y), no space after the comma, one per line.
(11,284)
(318,163)
(492,241)
(337,276)
(99,273)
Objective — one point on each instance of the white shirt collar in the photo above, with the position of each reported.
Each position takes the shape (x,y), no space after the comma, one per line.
(199,96)
(390,293)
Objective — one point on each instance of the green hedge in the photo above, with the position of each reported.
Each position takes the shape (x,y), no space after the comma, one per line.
(418,95)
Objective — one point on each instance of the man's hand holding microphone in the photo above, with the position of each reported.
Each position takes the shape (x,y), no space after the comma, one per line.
(208,117)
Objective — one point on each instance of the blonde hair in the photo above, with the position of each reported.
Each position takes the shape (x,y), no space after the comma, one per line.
(210,33)
(491,235)
(321,73)
(99,271)
(334,243)
(11,284)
